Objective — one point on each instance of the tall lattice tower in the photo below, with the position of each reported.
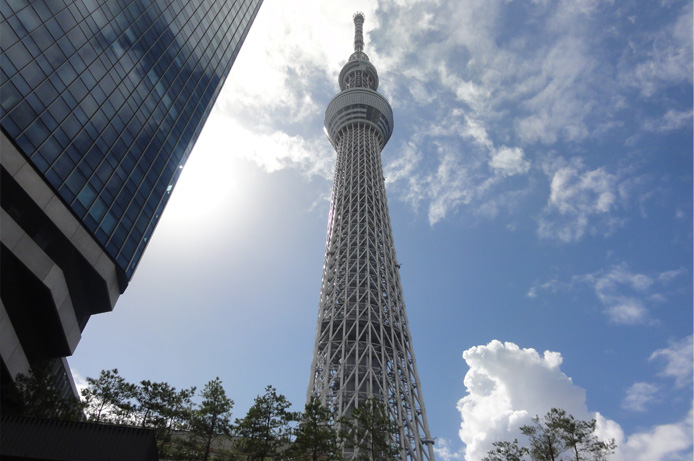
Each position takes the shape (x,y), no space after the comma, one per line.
(363,345)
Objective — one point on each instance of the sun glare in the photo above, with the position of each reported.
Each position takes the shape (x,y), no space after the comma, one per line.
(212,182)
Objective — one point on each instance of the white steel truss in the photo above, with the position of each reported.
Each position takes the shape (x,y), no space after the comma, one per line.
(363,344)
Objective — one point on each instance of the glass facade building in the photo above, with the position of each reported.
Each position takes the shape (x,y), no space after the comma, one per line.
(107,98)
(101,102)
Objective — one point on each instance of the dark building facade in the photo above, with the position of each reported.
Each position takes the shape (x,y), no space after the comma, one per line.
(101,103)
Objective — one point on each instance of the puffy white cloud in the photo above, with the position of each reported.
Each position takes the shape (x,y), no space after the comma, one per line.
(664,442)
(678,361)
(509,161)
(580,201)
(639,395)
(507,385)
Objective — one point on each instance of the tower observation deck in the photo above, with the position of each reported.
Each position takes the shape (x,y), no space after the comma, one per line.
(363,345)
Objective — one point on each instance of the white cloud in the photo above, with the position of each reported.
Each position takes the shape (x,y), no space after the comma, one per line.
(463,167)
(404,165)
(509,161)
(672,120)
(639,395)
(664,442)
(445,453)
(580,201)
(290,52)
(661,60)
(561,106)
(268,100)
(506,386)
(269,148)
(624,294)
(678,361)
(449,187)
(445,58)
(517,89)
(626,311)
(80,381)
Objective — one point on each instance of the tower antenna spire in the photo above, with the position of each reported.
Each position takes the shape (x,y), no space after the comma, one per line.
(358,32)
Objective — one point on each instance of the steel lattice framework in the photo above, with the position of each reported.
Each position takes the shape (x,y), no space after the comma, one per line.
(363,344)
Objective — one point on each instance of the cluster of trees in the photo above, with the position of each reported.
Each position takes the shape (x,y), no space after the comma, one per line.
(203,430)
(555,437)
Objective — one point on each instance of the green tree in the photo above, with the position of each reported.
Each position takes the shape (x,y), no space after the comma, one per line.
(160,407)
(108,397)
(212,418)
(555,437)
(40,397)
(369,430)
(506,451)
(151,399)
(579,438)
(316,436)
(266,429)
(177,414)
(546,443)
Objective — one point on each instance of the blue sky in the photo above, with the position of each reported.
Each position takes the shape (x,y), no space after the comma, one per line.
(540,188)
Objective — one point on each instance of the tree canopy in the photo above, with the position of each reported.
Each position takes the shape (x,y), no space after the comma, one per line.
(555,437)
(316,437)
(39,396)
(266,429)
(108,398)
(212,418)
(369,431)
(186,430)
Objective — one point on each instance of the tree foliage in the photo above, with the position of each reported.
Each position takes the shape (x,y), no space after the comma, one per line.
(266,429)
(555,437)
(212,418)
(578,437)
(40,397)
(188,431)
(544,435)
(316,437)
(369,431)
(160,407)
(108,398)
(506,451)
